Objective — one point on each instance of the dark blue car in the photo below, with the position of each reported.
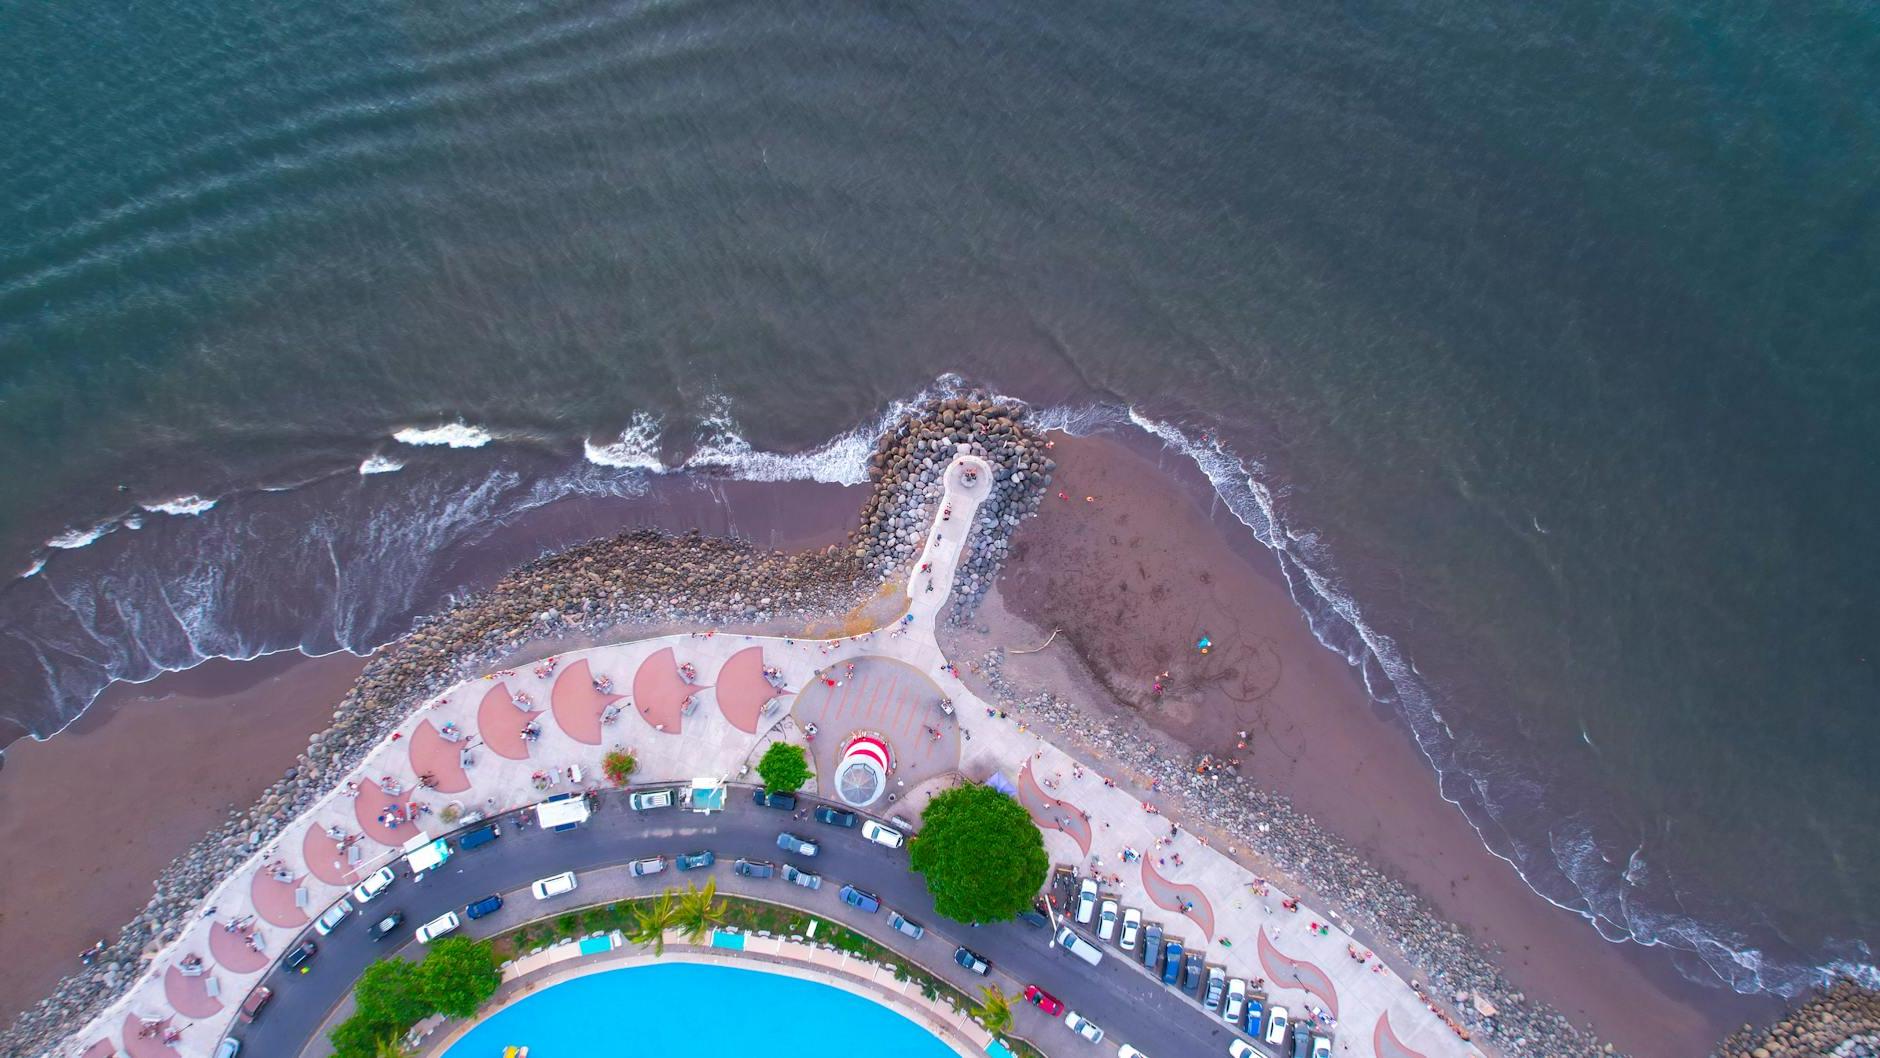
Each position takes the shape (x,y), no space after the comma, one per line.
(1172,968)
(489,905)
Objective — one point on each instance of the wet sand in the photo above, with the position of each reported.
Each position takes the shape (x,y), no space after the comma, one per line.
(1135,575)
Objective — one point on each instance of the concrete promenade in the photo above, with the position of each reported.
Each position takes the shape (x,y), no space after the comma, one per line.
(703,705)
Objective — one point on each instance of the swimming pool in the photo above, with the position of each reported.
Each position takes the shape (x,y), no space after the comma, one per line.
(691,1010)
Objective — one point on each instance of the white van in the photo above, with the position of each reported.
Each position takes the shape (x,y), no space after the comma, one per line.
(1078,946)
(553,885)
(646,800)
(437,927)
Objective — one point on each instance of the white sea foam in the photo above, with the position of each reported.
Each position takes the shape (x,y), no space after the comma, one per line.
(181,505)
(637,448)
(72,539)
(842,460)
(457,434)
(39,563)
(378,464)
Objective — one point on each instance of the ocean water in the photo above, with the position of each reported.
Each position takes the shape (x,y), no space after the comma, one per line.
(1538,342)
(695,1008)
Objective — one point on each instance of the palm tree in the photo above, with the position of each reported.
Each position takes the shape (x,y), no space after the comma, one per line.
(652,920)
(700,910)
(391,1047)
(994,1010)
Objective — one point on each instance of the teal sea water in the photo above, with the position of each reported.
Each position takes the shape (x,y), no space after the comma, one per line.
(1538,339)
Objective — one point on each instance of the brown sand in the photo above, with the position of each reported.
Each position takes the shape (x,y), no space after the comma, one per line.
(1135,575)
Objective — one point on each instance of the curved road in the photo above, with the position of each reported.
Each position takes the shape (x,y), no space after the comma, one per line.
(1118,994)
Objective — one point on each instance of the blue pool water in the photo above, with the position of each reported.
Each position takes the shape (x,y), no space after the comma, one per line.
(686,1010)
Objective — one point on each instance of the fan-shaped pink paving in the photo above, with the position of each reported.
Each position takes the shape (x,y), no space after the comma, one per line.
(742,689)
(1050,813)
(1171,895)
(501,723)
(1384,1040)
(577,705)
(189,995)
(659,692)
(372,801)
(1283,970)
(104,1048)
(232,950)
(274,901)
(141,1047)
(324,859)
(434,755)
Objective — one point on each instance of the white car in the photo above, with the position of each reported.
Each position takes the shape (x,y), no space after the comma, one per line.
(375,883)
(881,835)
(1241,1049)
(1321,1046)
(553,885)
(437,927)
(1106,920)
(1132,929)
(1126,1051)
(1082,1027)
(334,916)
(1276,1026)
(1236,1001)
(1086,901)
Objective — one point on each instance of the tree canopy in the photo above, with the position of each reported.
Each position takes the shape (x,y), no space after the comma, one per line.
(784,767)
(391,993)
(981,856)
(459,976)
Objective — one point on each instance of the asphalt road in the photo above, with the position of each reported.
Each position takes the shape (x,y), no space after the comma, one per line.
(1117,995)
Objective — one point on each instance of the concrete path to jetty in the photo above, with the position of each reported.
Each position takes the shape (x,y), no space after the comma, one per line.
(513,737)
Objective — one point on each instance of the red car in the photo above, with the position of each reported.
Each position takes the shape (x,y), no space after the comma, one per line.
(1043,1000)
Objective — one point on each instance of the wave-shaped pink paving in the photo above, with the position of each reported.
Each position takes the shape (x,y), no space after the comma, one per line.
(230,948)
(1283,969)
(578,705)
(1050,813)
(743,691)
(1179,897)
(500,723)
(659,692)
(1384,1040)
(189,995)
(434,755)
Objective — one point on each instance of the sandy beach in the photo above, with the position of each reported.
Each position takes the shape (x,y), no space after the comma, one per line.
(1135,574)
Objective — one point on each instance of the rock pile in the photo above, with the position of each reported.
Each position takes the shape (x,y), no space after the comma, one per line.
(1842,1021)
(1452,964)
(906,470)
(636,577)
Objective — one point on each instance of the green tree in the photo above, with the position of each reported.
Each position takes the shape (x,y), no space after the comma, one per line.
(700,910)
(652,919)
(459,975)
(981,856)
(994,1009)
(391,992)
(392,1047)
(784,767)
(360,1037)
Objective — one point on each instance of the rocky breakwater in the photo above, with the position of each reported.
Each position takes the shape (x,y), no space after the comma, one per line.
(905,471)
(1843,1021)
(640,577)
(1457,977)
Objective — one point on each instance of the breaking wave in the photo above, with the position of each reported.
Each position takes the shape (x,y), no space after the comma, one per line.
(450,435)
(378,464)
(181,505)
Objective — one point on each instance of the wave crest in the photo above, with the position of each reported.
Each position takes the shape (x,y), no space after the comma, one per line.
(457,434)
(189,504)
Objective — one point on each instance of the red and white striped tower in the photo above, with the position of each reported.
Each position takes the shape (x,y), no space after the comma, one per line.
(862,773)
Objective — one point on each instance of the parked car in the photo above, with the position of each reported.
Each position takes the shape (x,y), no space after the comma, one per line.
(1035,919)
(578,814)
(553,885)
(789,842)
(479,837)
(252,1006)
(1236,1001)
(754,868)
(229,1048)
(1152,946)
(437,927)
(1242,1049)
(1126,1051)
(383,927)
(374,884)
(489,905)
(1215,989)
(835,817)
(300,955)
(970,959)
(1301,1040)
(1132,929)
(1276,1026)
(693,861)
(1192,968)
(802,878)
(1172,969)
(881,835)
(1044,1000)
(860,898)
(647,800)
(783,801)
(907,926)
(1086,901)
(1106,920)
(1068,940)
(334,915)
(647,867)
(1256,1014)
(1083,1027)
(1321,1046)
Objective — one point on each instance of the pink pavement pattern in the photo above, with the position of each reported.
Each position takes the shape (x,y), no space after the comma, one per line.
(1051,813)
(274,901)
(742,689)
(369,805)
(434,755)
(102,1049)
(1283,969)
(577,705)
(139,1046)
(324,859)
(500,722)
(660,692)
(231,950)
(189,996)
(1385,1040)
(1172,895)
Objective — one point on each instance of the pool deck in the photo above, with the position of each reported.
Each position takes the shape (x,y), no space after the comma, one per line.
(900,672)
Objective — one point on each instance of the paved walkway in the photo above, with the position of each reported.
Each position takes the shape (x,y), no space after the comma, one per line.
(510,738)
